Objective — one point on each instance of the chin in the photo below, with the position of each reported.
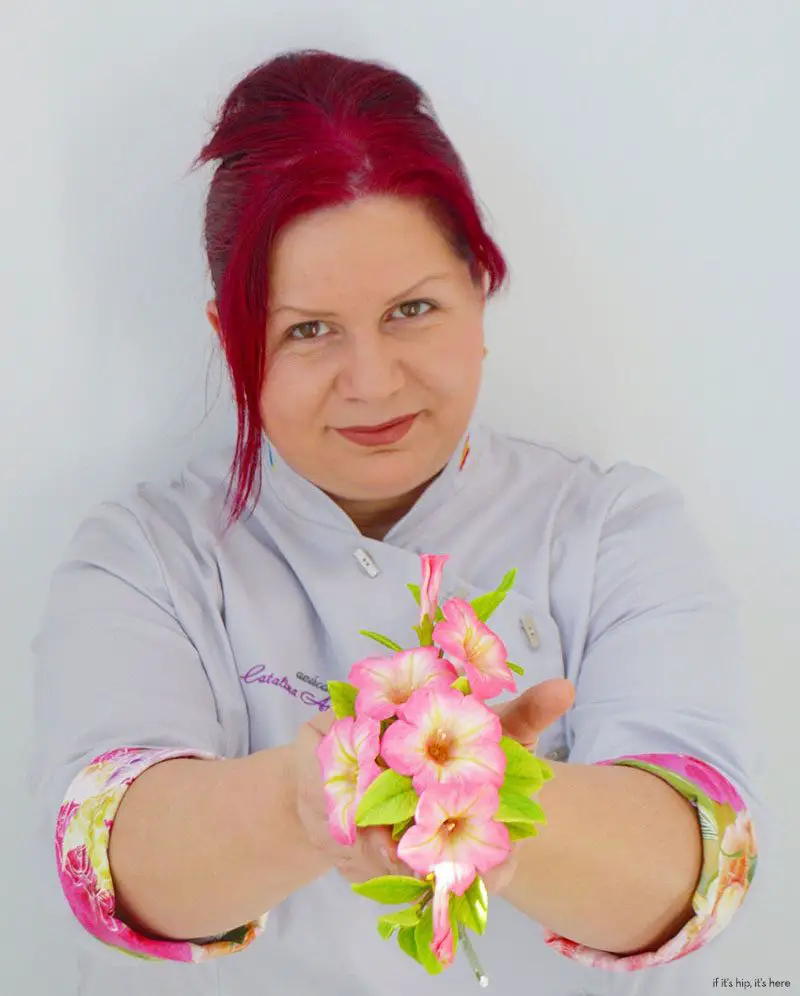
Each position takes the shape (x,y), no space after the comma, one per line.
(384,489)
(381,483)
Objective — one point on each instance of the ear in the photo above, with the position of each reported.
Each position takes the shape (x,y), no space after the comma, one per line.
(213,316)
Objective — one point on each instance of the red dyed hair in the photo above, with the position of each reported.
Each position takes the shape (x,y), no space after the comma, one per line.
(309,130)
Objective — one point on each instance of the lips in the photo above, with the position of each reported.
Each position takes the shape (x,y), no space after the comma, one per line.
(379,435)
(378,428)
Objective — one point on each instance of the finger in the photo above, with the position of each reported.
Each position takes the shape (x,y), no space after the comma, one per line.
(374,854)
(384,850)
(529,715)
(500,877)
(322,722)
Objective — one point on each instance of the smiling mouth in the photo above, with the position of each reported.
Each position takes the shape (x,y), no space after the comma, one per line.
(380,435)
(379,428)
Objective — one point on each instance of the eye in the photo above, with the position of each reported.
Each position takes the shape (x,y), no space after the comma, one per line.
(415,304)
(300,328)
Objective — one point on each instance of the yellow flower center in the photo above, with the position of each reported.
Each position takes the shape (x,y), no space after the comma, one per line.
(438,746)
(399,694)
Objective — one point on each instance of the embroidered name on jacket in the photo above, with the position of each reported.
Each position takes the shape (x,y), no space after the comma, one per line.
(258,675)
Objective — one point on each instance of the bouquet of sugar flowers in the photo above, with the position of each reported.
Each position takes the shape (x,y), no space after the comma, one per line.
(415,748)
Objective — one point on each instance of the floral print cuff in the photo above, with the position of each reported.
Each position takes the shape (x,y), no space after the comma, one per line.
(729,862)
(83,830)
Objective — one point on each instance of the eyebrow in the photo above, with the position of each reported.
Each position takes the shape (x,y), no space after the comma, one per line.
(332,314)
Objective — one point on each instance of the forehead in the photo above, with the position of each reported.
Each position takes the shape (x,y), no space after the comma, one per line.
(384,243)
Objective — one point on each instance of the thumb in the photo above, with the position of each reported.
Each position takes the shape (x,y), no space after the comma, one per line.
(526,717)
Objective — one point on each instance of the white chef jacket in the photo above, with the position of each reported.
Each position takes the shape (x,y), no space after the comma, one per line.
(161,632)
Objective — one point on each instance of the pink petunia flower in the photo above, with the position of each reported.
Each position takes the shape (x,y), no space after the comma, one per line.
(455,837)
(432,566)
(385,683)
(443,737)
(347,755)
(474,649)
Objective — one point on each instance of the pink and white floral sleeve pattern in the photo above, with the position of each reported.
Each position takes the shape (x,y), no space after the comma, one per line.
(83,831)
(729,862)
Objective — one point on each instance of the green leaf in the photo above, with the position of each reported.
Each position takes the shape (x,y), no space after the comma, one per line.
(472,908)
(424,939)
(518,831)
(515,667)
(484,605)
(525,773)
(392,889)
(343,698)
(389,799)
(391,922)
(462,685)
(425,631)
(407,939)
(518,809)
(383,640)
(400,828)
(508,580)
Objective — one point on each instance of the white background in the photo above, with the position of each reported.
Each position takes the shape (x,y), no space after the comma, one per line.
(639,165)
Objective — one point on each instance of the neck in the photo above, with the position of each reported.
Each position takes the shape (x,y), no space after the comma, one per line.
(374,519)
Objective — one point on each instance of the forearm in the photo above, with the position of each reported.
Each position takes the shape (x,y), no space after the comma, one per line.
(616,865)
(199,847)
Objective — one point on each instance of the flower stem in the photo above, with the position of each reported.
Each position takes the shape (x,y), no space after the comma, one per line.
(472,957)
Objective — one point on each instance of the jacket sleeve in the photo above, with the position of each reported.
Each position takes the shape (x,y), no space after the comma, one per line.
(119,687)
(663,686)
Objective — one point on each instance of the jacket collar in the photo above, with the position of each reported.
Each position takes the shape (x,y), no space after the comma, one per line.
(306,501)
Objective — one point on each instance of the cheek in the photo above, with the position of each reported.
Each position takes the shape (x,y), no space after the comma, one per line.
(457,360)
(290,393)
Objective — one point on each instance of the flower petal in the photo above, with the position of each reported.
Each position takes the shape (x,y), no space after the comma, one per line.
(477,650)
(432,565)
(465,770)
(347,755)
(340,808)
(367,744)
(421,847)
(427,707)
(335,750)
(455,825)
(449,878)
(487,684)
(403,747)
(373,677)
(452,633)
(470,729)
(385,683)
(486,841)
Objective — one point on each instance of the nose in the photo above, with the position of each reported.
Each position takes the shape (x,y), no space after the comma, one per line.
(371,368)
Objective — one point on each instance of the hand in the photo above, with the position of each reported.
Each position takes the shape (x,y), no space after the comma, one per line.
(525,719)
(527,716)
(374,852)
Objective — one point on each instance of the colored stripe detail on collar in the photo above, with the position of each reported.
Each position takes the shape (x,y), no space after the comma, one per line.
(464,454)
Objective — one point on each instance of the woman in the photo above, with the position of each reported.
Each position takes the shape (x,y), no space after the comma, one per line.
(190,631)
